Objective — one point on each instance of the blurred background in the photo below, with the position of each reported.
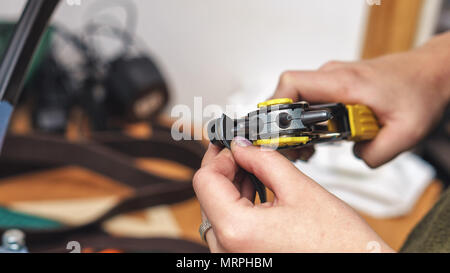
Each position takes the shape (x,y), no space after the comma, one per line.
(121,65)
(214,48)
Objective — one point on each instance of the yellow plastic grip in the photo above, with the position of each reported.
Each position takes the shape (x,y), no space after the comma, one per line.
(363,124)
(282,141)
(275,102)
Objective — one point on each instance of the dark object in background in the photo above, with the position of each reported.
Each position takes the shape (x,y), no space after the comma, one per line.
(436,147)
(53,96)
(18,55)
(6,31)
(107,157)
(55,86)
(128,88)
(136,88)
(444,20)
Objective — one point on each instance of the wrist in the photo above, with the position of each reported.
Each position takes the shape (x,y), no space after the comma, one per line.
(436,61)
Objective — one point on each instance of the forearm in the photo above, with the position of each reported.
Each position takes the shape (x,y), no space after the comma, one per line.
(436,62)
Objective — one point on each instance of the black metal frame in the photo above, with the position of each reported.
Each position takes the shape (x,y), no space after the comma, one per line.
(19,53)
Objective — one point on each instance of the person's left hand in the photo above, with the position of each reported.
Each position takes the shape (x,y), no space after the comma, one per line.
(303,216)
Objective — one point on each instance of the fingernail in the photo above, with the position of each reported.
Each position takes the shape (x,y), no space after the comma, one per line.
(242,141)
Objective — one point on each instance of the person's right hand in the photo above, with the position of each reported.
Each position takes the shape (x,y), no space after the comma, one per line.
(407,92)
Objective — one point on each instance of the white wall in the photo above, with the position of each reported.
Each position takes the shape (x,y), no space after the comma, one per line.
(212,48)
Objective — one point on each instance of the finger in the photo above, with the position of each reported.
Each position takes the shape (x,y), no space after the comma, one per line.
(224,164)
(314,86)
(211,238)
(248,189)
(213,243)
(273,169)
(385,147)
(214,187)
(210,154)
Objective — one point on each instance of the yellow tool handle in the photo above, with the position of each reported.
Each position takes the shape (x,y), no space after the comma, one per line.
(275,102)
(363,123)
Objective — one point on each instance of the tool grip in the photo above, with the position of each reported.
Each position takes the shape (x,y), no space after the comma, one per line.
(363,123)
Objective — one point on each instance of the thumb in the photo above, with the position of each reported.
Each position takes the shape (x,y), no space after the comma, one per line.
(273,169)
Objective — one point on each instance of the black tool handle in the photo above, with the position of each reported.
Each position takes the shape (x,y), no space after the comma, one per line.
(259,186)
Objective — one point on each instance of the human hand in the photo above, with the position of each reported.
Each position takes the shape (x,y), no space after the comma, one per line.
(303,216)
(407,92)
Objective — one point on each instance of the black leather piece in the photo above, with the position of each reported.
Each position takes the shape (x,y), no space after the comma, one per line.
(113,155)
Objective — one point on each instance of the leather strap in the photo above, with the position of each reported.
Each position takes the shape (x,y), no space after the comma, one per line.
(113,159)
(113,155)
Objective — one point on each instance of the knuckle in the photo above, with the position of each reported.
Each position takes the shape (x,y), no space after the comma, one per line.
(224,162)
(265,157)
(357,72)
(233,236)
(348,75)
(330,65)
(226,156)
(412,131)
(199,177)
(287,77)
(349,79)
